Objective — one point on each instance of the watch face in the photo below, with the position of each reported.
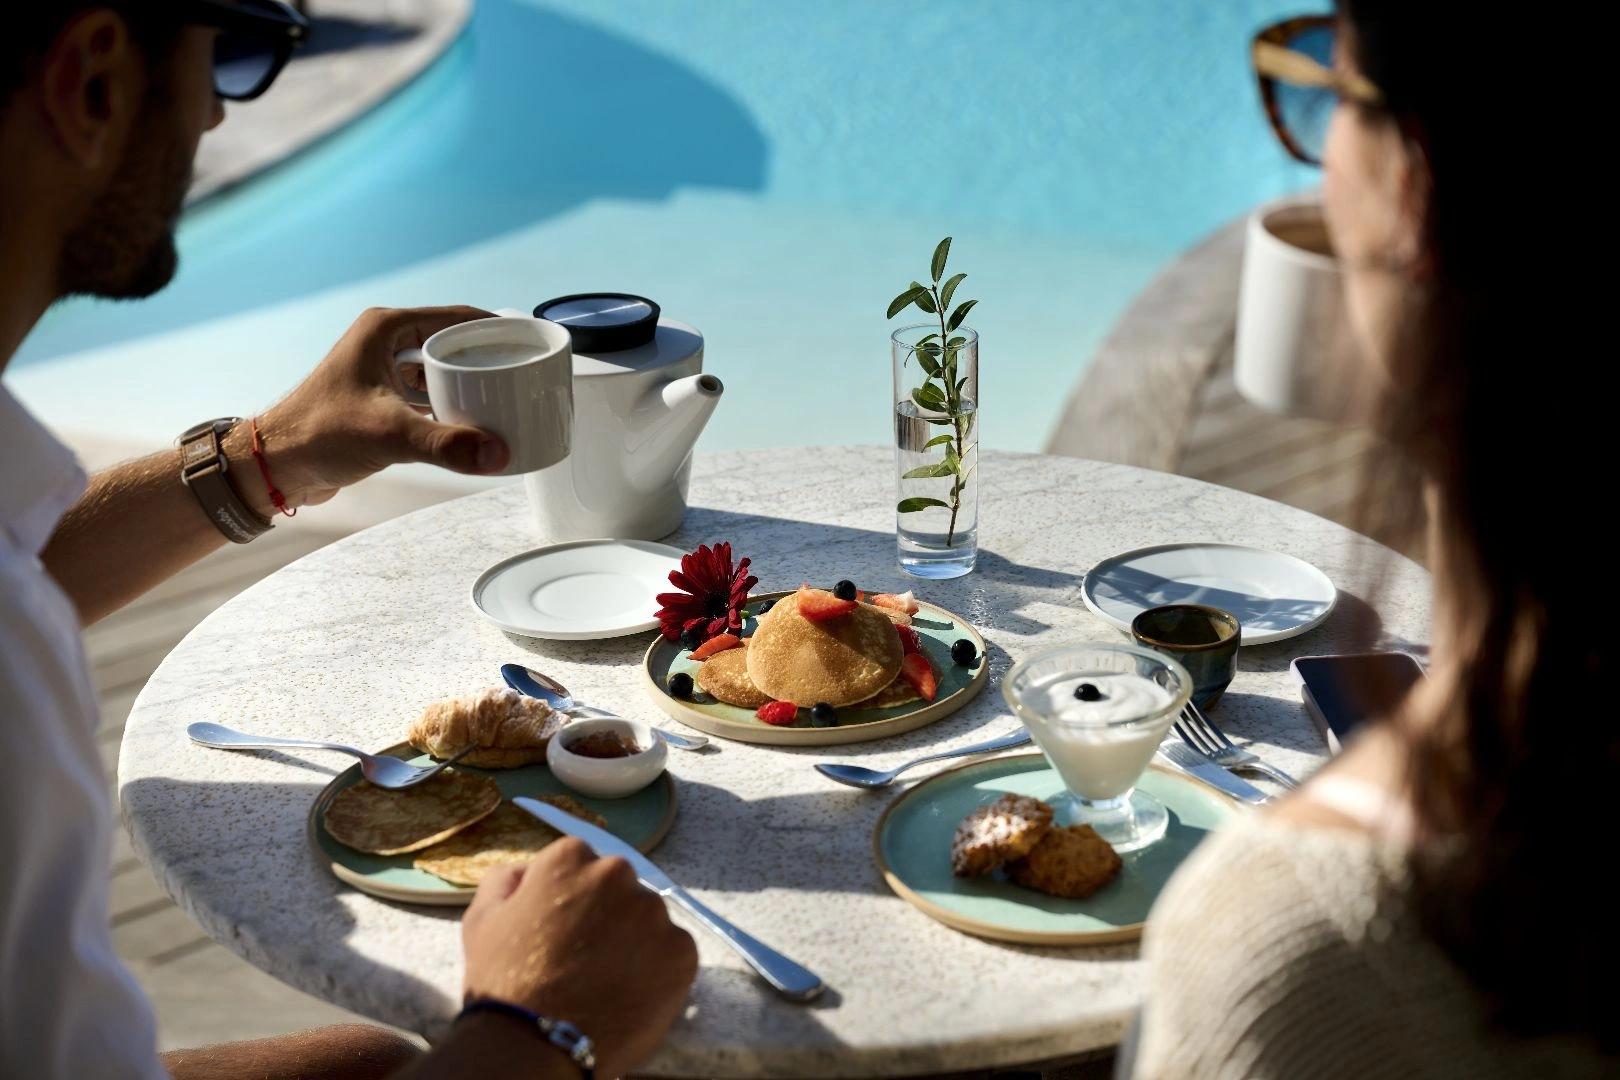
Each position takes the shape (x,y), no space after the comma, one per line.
(221,426)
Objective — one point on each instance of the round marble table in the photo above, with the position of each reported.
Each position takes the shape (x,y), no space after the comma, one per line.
(351,641)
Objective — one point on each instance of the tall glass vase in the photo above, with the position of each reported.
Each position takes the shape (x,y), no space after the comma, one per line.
(936,449)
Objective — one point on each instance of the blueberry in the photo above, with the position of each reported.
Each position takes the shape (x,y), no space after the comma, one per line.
(680,684)
(823,715)
(964,652)
(691,638)
(1087,692)
(845,590)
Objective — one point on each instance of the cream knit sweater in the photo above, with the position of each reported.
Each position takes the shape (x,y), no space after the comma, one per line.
(1281,951)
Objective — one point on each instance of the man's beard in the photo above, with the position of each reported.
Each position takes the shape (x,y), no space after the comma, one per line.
(124,247)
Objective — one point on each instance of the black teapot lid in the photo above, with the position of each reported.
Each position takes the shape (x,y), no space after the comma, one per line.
(603,322)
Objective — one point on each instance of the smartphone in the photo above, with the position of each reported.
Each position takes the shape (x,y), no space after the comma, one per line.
(1341,692)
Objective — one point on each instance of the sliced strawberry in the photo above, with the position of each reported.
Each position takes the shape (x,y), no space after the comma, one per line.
(778,713)
(904,602)
(908,639)
(717,644)
(819,605)
(917,671)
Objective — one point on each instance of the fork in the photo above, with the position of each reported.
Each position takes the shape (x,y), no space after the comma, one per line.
(1200,733)
(380,769)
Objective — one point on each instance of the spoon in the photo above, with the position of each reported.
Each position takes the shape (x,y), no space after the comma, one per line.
(856,776)
(531,682)
(380,769)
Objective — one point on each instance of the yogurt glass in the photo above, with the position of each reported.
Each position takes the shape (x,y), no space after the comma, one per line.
(1099,712)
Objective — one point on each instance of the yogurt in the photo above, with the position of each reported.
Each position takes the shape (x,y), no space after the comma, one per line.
(1093,744)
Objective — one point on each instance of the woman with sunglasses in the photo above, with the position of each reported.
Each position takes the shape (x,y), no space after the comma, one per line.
(1429,905)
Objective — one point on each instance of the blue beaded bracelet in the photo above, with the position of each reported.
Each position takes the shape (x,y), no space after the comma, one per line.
(559,1033)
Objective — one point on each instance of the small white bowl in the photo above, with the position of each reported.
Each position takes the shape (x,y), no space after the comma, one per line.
(607,778)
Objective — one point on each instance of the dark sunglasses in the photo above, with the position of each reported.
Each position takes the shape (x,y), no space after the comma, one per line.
(1300,86)
(256,39)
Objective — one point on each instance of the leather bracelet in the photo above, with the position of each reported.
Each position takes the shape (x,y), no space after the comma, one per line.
(204,469)
(559,1033)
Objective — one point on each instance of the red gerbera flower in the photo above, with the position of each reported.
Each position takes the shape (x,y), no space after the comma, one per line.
(713,595)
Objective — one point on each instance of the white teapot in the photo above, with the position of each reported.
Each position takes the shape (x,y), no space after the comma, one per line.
(640,402)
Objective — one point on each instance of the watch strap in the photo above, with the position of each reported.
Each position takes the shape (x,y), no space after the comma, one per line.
(205,470)
(559,1033)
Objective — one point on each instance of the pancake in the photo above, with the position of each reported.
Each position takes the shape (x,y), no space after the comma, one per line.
(898,693)
(391,822)
(841,661)
(724,676)
(509,836)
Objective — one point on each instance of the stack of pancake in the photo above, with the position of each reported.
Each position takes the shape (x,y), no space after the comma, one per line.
(852,660)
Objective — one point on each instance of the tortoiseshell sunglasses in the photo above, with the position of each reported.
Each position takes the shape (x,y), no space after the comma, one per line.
(1300,86)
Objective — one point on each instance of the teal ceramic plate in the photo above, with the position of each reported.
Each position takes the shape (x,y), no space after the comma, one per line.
(936,630)
(642,819)
(912,844)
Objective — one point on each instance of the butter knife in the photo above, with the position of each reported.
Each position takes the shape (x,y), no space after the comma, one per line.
(1204,768)
(792,980)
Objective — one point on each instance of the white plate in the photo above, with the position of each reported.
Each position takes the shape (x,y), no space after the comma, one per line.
(578,591)
(1274,596)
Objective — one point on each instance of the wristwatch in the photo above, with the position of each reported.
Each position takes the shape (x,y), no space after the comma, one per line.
(205,470)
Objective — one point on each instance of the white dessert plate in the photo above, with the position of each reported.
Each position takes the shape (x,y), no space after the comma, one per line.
(578,591)
(1274,596)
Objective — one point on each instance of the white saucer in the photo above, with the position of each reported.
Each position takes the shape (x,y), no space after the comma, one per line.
(1274,596)
(578,591)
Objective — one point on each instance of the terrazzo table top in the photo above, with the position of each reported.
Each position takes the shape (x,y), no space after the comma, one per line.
(350,643)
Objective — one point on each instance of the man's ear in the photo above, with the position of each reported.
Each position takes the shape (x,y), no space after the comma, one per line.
(90,84)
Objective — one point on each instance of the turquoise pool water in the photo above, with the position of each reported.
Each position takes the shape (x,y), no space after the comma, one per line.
(772,173)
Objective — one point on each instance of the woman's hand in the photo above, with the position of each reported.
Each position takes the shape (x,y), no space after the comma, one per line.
(348,419)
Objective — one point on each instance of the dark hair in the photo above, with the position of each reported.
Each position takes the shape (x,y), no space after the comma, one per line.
(1512,780)
(34,24)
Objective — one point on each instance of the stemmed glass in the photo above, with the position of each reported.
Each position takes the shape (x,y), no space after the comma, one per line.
(1101,741)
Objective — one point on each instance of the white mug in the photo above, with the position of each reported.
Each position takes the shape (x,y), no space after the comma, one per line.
(1292,342)
(510,376)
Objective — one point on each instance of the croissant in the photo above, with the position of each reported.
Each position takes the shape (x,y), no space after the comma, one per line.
(507,728)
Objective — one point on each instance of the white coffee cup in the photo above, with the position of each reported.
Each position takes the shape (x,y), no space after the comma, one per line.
(510,376)
(1292,341)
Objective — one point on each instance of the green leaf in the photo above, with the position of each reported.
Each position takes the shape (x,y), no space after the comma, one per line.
(940,253)
(959,384)
(936,440)
(934,401)
(956,343)
(929,361)
(925,472)
(925,301)
(949,290)
(959,314)
(905,299)
(937,421)
(925,339)
(911,506)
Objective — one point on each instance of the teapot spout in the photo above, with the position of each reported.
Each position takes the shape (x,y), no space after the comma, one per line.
(671,418)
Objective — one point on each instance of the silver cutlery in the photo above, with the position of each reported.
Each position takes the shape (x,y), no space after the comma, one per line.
(1200,733)
(528,681)
(856,776)
(787,977)
(1191,761)
(380,769)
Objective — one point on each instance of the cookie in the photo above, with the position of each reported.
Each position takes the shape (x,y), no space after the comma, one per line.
(997,833)
(724,676)
(840,661)
(1071,861)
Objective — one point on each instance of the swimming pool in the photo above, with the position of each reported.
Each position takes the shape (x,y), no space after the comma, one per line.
(772,173)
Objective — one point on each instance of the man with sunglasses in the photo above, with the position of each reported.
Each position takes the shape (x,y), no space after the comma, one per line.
(102,105)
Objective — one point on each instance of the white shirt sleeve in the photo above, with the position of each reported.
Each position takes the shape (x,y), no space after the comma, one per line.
(68,1006)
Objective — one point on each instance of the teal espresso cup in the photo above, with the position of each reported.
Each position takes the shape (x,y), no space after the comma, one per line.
(1205,640)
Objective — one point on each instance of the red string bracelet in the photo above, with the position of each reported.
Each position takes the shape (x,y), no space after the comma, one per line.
(277,499)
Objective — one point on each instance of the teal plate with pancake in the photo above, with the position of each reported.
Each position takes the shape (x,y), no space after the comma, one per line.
(937,629)
(642,819)
(912,845)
